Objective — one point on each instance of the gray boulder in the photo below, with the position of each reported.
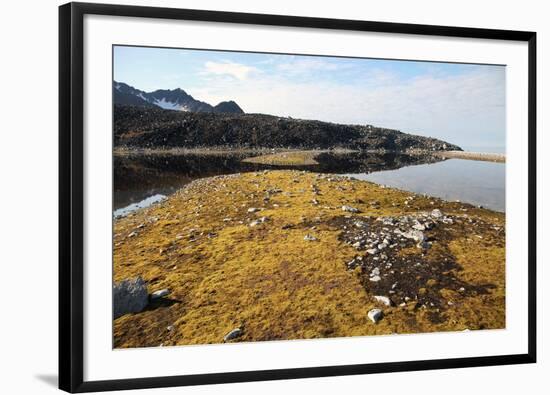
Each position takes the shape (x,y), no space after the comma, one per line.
(129,296)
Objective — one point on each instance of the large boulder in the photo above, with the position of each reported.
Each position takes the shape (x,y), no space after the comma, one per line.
(129,296)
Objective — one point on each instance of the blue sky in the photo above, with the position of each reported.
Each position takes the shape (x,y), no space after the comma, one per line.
(459,103)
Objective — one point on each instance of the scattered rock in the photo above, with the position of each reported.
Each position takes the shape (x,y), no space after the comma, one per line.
(161,293)
(436,213)
(235,333)
(375,315)
(253,209)
(424,245)
(383,299)
(310,238)
(129,296)
(375,279)
(350,209)
(259,221)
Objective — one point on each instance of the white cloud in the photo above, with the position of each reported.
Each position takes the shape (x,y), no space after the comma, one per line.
(235,70)
(466,109)
(306,65)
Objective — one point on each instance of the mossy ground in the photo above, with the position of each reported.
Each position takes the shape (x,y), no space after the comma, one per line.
(223,273)
(287,158)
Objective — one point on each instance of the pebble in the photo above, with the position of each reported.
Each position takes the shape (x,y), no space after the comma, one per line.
(424,245)
(436,213)
(310,238)
(235,333)
(253,209)
(350,209)
(159,294)
(375,279)
(259,221)
(375,315)
(383,299)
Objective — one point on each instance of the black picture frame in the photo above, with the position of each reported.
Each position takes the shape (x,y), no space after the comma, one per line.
(71,223)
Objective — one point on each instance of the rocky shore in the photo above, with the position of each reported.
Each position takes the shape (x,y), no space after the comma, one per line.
(285,254)
(483,156)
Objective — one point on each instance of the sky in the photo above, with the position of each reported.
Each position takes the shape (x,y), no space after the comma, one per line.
(463,104)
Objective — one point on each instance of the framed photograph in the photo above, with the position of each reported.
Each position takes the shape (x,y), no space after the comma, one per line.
(251,197)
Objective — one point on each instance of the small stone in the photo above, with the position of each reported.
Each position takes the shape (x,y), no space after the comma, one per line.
(159,294)
(133,234)
(383,299)
(253,209)
(424,245)
(375,279)
(235,333)
(436,213)
(372,251)
(310,238)
(350,209)
(375,315)
(259,221)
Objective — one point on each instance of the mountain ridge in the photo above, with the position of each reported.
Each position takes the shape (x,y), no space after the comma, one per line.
(168,99)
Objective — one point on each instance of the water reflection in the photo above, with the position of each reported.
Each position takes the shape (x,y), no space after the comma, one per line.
(139,177)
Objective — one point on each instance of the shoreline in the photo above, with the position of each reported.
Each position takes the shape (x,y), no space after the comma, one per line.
(309,154)
(468,155)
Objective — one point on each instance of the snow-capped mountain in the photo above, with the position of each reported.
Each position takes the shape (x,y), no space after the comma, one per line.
(175,99)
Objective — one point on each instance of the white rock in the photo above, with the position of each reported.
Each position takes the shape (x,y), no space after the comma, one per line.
(383,299)
(375,315)
(436,213)
(310,238)
(253,209)
(350,209)
(161,293)
(375,279)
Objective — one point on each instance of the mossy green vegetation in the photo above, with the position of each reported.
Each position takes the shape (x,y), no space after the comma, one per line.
(269,252)
(287,158)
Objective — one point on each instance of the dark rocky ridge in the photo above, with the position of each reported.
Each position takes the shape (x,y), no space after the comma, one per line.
(144,127)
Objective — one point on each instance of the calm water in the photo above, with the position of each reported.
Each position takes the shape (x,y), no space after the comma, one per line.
(475,182)
(141,180)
